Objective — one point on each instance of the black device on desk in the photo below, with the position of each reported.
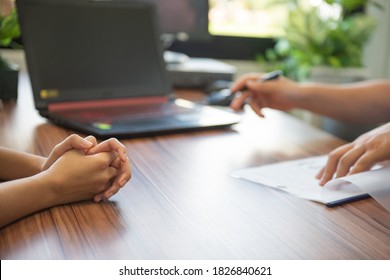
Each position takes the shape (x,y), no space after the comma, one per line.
(102,72)
(187,20)
(199,72)
(219,92)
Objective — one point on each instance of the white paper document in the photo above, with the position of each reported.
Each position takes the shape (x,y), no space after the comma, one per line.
(297,177)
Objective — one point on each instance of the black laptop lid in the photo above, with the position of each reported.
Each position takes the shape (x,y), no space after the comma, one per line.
(80,50)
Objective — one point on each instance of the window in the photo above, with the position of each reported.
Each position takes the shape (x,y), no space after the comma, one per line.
(239,29)
(250,18)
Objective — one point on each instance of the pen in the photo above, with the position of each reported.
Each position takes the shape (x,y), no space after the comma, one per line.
(225,96)
(347,200)
(267,77)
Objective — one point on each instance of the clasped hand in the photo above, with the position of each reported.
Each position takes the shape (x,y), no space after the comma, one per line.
(91,170)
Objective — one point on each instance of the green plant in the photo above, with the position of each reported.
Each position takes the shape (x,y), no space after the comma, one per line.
(9,30)
(331,33)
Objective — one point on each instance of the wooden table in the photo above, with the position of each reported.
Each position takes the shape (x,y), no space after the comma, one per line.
(182,203)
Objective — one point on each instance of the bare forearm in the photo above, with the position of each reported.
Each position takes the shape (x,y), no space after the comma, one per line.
(16,165)
(19,198)
(365,103)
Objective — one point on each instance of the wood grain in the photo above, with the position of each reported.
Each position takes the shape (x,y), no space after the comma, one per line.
(182,203)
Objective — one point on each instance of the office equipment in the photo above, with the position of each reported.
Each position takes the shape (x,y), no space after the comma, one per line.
(182,204)
(199,72)
(273,75)
(102,72)
(187,20)
(182,19)
(224,96)
(374,183)
(266,77)
(297,177)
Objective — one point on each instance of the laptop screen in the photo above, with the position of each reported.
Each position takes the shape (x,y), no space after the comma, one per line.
(88,50)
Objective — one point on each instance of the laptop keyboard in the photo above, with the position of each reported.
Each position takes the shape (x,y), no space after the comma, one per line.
(127,113)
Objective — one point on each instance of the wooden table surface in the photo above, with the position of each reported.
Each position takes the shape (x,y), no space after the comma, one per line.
(182,202)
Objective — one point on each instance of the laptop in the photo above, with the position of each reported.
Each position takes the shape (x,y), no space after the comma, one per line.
(97,67)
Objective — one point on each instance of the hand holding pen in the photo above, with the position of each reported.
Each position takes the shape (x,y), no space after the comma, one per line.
(263,78)
(225,96)
(271,90)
